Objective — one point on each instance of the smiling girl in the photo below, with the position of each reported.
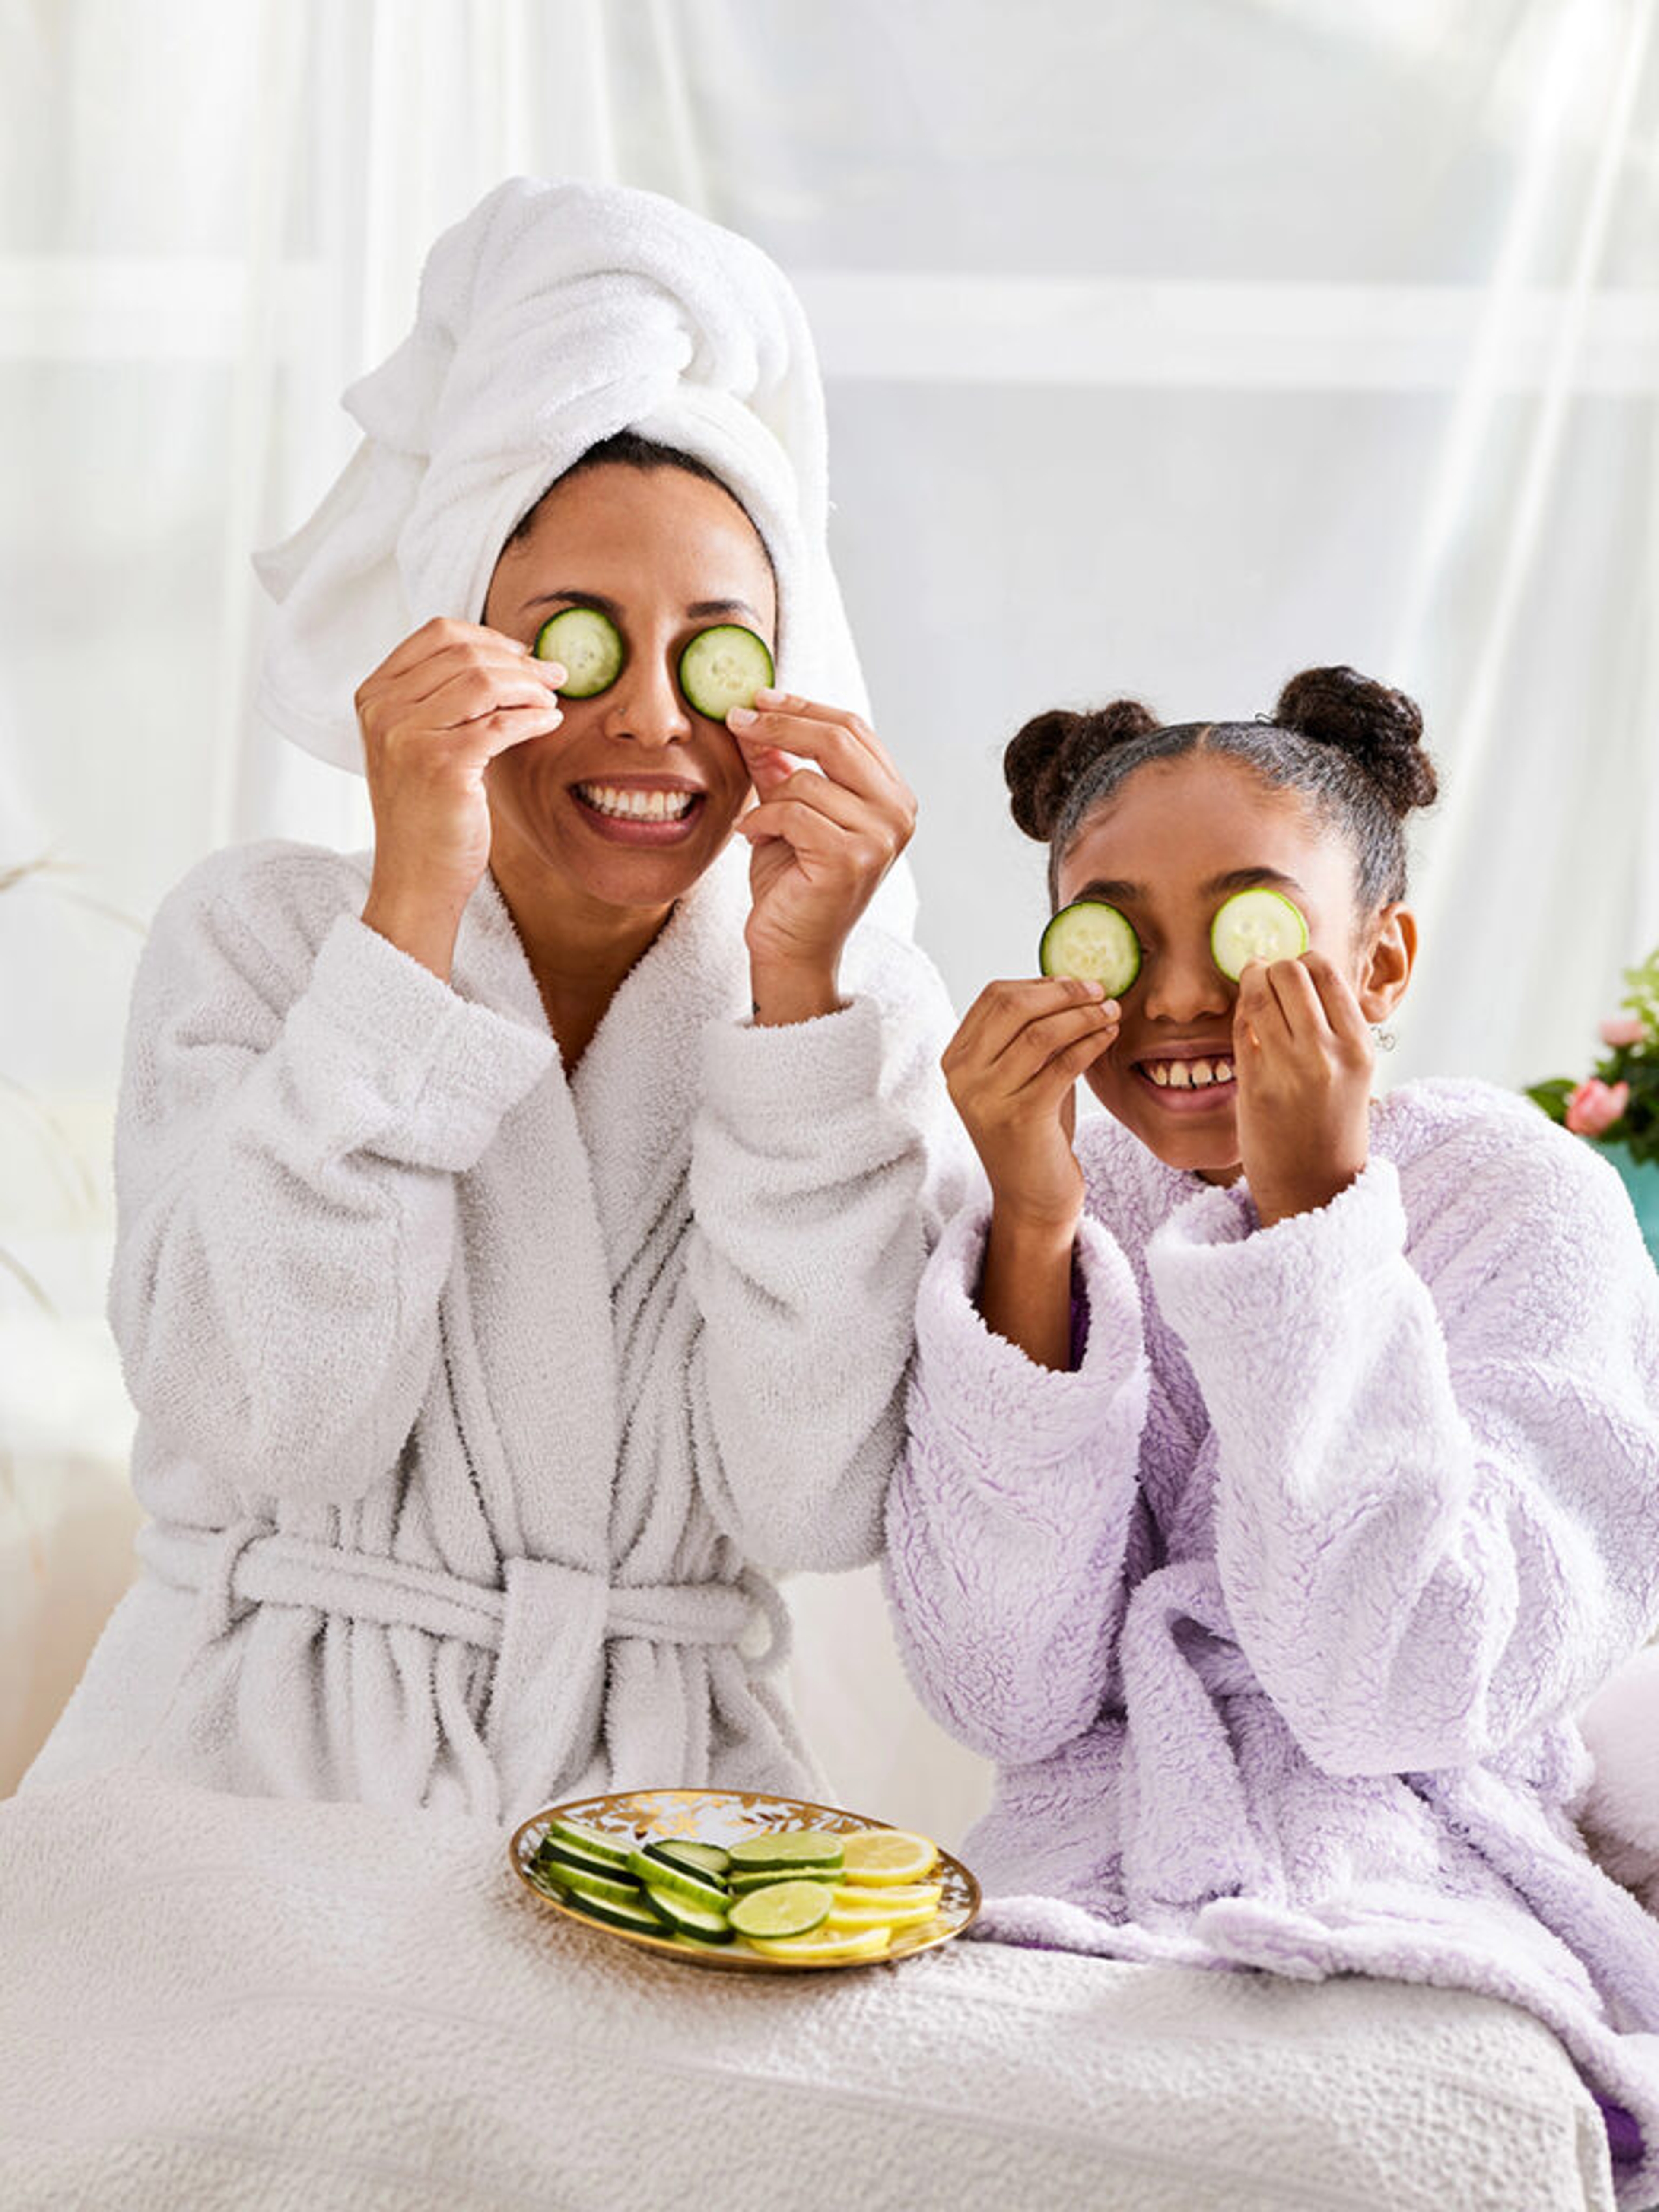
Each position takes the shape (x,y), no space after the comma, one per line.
(1284,1471)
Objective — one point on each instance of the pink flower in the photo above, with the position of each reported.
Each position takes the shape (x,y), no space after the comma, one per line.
(1594,1107)
(1623,1029)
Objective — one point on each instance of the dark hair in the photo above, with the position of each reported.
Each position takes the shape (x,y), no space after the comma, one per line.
(628,449)
(1352,747)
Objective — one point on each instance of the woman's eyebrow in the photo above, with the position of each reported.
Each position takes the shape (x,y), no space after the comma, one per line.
(1117,893)
(697,612)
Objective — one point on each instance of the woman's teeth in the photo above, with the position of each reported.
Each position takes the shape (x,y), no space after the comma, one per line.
(1189,1074)
(636,805)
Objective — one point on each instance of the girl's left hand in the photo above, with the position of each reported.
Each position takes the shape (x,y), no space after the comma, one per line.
(1302,1057)
(821,839)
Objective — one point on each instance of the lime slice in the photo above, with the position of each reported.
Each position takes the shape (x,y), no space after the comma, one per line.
(765,1877)
(678,1881)
(883,1857)
(782,1908)
(794,1847)
(820,1949)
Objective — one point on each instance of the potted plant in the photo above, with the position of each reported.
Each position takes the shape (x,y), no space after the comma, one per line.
(1616,1106)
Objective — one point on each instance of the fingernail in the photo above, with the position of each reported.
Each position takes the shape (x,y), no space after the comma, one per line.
(1091,987)
(554,671)
(768,697)
(1112,1007)
(740,717)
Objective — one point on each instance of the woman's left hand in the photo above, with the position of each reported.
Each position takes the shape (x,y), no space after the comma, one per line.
(1302,1057)
(822,837)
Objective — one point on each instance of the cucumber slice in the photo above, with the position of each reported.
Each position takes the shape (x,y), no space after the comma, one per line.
(677,1882)
(1256,925)
(576,1841)
(803,1848)
(701,1858)
(567,1857)
(607,1888)
(685,1918)
(724,667)
(639,1919)
(590,646)
(782,1909)
(1093,940)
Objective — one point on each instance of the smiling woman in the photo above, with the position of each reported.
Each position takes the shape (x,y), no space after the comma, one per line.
(487,1201)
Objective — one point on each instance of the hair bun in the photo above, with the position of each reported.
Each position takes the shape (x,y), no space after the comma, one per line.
(1044,759)
(1381,729)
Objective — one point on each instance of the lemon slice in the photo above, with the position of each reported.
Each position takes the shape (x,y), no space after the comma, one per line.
(809,1950)
(879,1858)
(784,1909)
(902,1905)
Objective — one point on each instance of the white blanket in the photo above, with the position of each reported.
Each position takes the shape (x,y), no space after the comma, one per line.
(208,2002)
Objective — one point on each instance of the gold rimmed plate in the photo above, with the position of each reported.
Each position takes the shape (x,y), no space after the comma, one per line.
(632,1817)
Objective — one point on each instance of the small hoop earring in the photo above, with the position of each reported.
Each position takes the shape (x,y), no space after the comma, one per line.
(1386,1039)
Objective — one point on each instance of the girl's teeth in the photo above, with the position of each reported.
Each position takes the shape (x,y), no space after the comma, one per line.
(1189,1074)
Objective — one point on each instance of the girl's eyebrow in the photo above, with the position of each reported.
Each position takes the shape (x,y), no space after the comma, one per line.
(1116,893)
(697,612)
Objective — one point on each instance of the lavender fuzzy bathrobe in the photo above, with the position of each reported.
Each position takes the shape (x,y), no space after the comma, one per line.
(1276,1613)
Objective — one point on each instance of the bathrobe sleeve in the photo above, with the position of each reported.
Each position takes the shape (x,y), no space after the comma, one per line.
(823,1157)
(297,1099)
(1009,1519)
(1437,1508)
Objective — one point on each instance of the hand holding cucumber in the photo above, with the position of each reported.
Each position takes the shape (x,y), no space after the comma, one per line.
(822,837)
(1303,1058)
(1011,1070)
(433,714)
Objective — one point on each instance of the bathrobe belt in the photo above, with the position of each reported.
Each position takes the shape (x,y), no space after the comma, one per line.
(250,1563)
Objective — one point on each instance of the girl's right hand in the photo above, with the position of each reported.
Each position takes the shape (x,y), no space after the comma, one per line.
(1011,1070)
(434,715)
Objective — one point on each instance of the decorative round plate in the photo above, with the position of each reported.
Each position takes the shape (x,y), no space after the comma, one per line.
(724,1816)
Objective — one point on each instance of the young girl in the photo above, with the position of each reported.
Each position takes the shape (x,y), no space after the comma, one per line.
(1284,1463)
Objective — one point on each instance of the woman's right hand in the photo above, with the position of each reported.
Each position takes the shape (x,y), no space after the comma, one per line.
(1011,1070)
(434,715)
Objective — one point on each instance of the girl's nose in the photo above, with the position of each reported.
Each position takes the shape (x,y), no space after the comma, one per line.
(1186,987)
(645,705)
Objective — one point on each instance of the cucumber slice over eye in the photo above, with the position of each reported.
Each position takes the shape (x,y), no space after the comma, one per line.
(1256,925)
(724,667)
(1093,940)
(590,646)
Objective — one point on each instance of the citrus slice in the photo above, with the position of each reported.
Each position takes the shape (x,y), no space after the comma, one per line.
(784,1909)
(900,1905)
(881,1858)
(791,1847)
(818,1950)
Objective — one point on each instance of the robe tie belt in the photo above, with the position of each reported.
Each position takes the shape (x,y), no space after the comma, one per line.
(250,1563)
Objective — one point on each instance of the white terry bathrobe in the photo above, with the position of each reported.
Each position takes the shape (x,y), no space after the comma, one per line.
(478,1405)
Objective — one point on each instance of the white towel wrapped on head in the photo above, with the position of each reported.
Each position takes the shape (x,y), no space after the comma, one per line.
(552,317)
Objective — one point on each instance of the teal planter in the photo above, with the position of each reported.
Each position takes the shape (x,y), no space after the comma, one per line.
(1641,1180)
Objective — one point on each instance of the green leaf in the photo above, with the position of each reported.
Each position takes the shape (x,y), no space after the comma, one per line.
(1553,1096)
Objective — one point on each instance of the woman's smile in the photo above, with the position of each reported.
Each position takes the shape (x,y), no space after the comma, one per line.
(639,809)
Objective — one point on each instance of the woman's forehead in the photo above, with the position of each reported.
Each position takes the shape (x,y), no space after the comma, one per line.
(630,531)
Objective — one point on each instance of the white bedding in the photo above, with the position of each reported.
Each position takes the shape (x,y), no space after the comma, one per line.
(208,2002)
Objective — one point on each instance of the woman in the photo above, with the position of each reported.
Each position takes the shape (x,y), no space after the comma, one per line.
(519,1227)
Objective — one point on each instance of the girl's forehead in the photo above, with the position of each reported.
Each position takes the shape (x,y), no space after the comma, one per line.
(1174,826)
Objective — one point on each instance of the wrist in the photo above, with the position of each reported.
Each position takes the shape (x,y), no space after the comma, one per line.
(412,924)
(782,995)
(1310,1195)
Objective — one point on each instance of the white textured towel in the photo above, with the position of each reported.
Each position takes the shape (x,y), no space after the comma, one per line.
(1621,1811)
(216,2003)
(553,316)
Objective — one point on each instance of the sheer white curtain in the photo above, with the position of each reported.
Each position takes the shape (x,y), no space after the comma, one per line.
(1171,345)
